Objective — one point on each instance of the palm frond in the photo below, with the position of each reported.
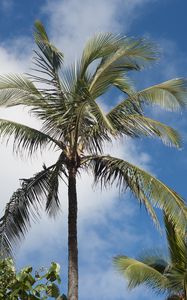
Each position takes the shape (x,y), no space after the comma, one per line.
(136,125)
(108,170)
(47,63)
(52,58)
(171,94)
(94,136)
(124,84)
(155,259)
(131,54)
(23,206)
(99,46)
(176,244)
(24,137)
(99,115)
(53,203)
(177,279)
(17,89)
(138,273)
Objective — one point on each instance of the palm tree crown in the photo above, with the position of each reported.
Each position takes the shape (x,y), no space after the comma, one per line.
(152,269)
(73,123)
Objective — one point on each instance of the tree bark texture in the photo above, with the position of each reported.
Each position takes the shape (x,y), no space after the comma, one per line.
(72,237)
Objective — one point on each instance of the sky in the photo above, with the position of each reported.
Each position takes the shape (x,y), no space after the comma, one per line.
(109,223)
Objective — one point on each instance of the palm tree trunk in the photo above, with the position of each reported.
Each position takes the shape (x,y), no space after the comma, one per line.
(72,237)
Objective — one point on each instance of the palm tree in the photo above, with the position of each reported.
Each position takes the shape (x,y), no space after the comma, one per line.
(167,276)
(75,126)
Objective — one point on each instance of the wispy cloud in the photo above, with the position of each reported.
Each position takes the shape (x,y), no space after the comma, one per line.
(73,22)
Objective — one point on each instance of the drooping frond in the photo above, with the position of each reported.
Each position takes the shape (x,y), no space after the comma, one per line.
(131,54)
(124,84)
(177,279)
(138,273)
(53,203)
(136,125)
(146,269)
(17,89)
(101,45)
(155,259)
(177,245)
(22,207)
(24,137)
(171,94)
(144,186)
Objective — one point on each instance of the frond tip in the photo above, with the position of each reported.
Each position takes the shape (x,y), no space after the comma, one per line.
(148,189)
(171,94)
(52,58)
(138,273)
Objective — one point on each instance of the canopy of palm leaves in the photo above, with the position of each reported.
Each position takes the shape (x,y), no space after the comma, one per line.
(167,276)
(66,101)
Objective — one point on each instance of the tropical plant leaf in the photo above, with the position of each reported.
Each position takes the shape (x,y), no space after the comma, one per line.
(176,244)
(131,55)
(99,46)
(53,203)
(23,205)
(136,125)
(108,170)
(53,58)
(24,137)
(147,268)
(155,259)
(138,273)
(124,84)
(171,94)
(16,89)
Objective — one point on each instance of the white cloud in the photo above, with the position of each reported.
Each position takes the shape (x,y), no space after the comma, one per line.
(106,284)
(72,22)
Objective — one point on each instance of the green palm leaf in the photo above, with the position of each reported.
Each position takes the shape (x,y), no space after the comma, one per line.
(124,84)
(53,58)
(144,186)
(17,89)
(24,137)
(130,55)
(161,275)
(138,273)
(23,205)
(136,125)
(101,45)
(176,244)
(53,203)
(171,94)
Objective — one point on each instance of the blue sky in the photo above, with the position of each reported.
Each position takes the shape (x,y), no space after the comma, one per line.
(108,224)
